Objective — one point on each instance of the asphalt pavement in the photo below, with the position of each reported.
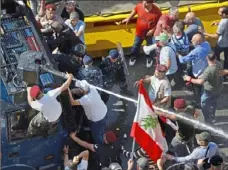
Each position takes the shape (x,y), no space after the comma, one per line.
(121,113)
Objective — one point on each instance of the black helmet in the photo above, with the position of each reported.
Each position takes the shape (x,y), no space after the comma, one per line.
(78,50)
(115,166)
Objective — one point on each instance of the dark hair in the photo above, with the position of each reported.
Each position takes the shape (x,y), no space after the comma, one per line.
(180,25)
(211,56)
(225,10)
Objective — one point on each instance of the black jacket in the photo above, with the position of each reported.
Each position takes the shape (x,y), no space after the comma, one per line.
(64,40)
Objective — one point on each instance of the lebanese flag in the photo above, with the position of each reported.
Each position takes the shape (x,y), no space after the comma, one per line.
(146,129)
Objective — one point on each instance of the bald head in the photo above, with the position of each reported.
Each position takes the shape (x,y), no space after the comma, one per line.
(190,18)
(197,39)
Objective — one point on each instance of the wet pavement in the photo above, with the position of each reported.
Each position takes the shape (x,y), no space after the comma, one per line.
(121,113)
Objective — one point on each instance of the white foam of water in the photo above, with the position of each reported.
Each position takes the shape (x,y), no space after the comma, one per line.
(200,125)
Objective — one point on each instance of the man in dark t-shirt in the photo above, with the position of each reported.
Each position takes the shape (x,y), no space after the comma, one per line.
(185,134)
(106,153)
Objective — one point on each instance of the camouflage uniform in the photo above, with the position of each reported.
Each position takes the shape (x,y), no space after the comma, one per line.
(113,73)
(92,74)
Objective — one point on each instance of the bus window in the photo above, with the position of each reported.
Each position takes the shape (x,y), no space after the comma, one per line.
(18,123)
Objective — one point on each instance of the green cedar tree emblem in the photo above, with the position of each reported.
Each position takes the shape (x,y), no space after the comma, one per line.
(149,122)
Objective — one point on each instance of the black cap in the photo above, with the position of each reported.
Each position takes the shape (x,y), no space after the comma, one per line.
(216,160)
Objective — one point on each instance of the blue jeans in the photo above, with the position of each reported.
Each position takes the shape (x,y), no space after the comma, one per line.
(97,130)
(135,50)
(209,102)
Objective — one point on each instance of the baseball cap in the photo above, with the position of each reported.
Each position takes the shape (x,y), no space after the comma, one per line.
(74,15)
(110,136)
(87,60)
(161,68)
(204,136)
(162,37)
(50,6)
(143,163)
(216,160)
(179,103)
(83,85)
(115,166)
(114,54)
(35,91)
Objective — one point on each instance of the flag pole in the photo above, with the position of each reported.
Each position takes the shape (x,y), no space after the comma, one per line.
(137,116)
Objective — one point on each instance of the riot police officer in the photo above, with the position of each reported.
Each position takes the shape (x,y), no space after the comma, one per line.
(90,73)
(113,73)
(71,62)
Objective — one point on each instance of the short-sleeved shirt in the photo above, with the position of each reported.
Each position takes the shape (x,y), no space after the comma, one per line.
(155,85)
(213,82)
(194,28)
(181,43)
(82,166)
(146,20)
(80,26)
(49,105)
(93,105)
(45,23)
(165,22)
(222,31)
(166,53)
(186,130)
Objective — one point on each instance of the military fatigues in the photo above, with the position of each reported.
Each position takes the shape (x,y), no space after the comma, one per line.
(93,75)
(38,125)
(113,73)
(67,63)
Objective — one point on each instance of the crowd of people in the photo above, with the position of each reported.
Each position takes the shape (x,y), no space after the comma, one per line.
(183,59)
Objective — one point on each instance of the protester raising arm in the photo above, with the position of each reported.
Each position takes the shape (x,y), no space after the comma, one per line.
(82,143)
(146,80)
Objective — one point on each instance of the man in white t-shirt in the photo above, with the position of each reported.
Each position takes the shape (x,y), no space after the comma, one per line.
(221,35)
(47,105)
(167,57)
(160,88)
(94,108)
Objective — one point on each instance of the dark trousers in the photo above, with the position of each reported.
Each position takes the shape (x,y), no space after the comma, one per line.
(209,103)
(135,50)
(218,51)
(97,129)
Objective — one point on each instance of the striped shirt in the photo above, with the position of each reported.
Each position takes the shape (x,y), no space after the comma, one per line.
(181,43)
(138,154)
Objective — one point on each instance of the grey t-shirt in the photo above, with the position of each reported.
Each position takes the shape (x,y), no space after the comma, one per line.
(213,82)
(222,31)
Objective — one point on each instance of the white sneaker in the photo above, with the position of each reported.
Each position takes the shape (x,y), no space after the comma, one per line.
(132,61)
(149,62)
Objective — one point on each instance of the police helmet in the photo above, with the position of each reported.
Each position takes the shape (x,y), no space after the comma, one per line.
(78,50)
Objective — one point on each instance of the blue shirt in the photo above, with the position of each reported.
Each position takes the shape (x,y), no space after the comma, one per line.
(200,153)
(79,26)
(181,43)
(198,58)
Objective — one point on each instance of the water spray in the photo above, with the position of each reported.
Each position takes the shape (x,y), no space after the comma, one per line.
(202,125)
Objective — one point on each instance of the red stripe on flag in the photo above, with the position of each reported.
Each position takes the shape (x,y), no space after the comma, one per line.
(144,93)
(146,142)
